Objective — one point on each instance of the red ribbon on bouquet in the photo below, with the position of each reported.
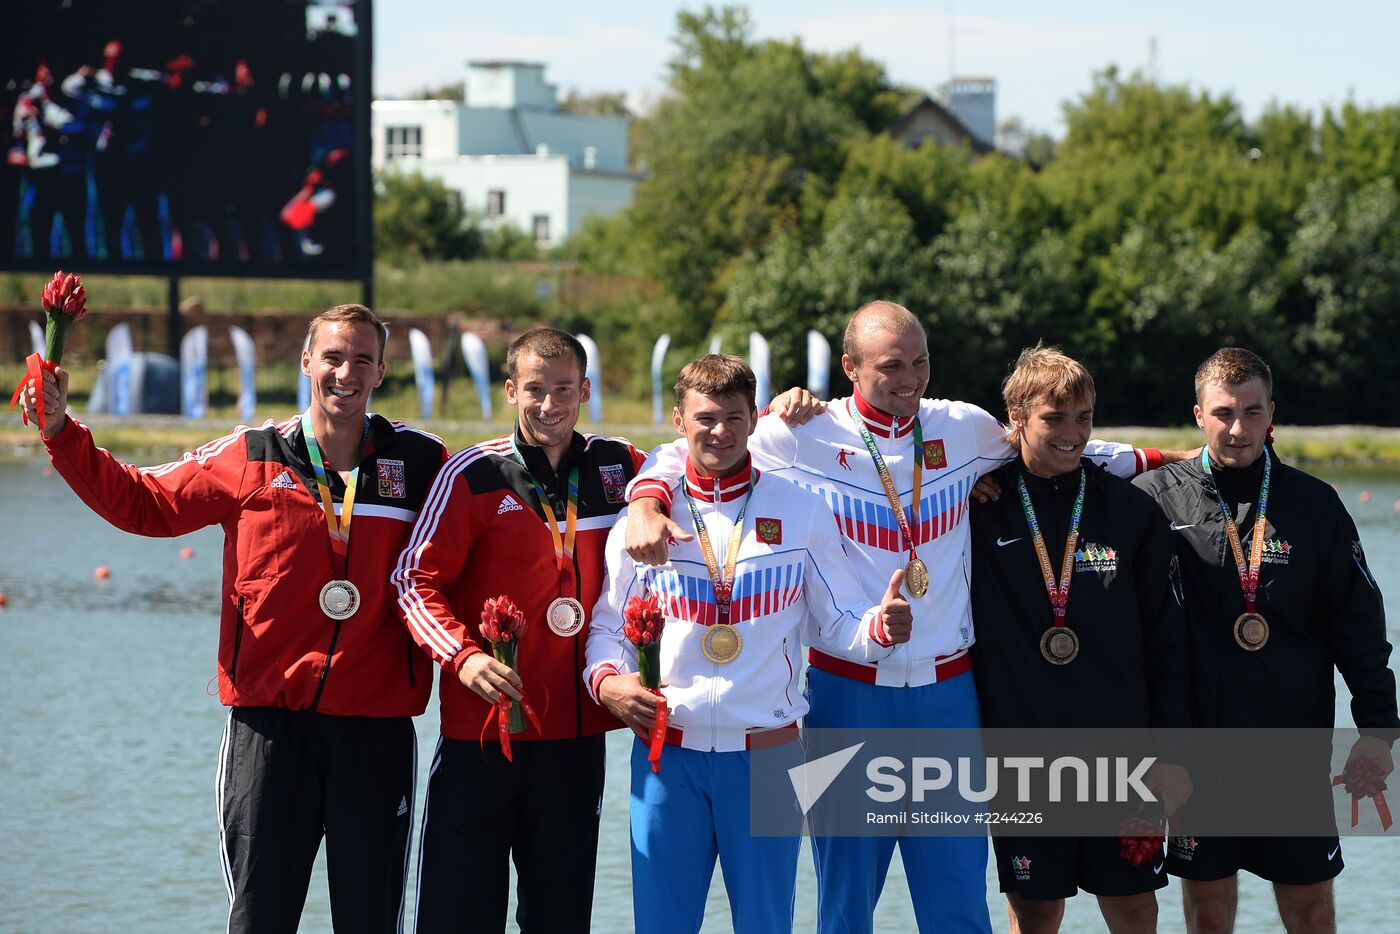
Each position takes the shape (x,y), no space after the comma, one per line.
(642,624)
(503,625)
(1362,778)
(65,303)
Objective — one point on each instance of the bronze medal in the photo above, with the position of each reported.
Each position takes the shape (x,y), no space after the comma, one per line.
(721,643)
(1251,631)
(916,577)
(340,599)
(1059,645)
(564,616)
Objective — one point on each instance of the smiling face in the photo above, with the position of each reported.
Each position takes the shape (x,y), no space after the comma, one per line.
(345,366)
(547,392)
(716,430)
(1052,436)
(891,368)
(1236,420)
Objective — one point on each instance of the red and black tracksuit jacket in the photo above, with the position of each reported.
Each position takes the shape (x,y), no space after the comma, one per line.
(482,534)
(276,647)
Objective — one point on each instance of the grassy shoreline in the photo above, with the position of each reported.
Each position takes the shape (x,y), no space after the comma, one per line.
(148,439)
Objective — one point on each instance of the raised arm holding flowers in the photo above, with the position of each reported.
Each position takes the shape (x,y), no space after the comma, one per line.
(65,303)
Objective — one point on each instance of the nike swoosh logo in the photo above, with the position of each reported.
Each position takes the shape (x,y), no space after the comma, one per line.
(1157,869)
(1177,526)
(1003,543)
(1333,855)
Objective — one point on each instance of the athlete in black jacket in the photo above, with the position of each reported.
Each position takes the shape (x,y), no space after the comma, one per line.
(1318,608)
(1124,664)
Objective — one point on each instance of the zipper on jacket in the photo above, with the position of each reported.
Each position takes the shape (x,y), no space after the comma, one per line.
(237,645)
(326,669)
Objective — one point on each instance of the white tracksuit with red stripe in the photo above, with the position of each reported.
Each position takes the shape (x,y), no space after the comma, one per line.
(827,456)
(791,571)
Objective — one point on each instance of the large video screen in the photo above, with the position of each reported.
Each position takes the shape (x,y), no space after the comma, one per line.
(208,137)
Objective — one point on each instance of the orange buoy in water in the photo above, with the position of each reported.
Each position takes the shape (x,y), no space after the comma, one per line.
(4,600)
(1365,496)
(47,471)
(187,552)
(102,573)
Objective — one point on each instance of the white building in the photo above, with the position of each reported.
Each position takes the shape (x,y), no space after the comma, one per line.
(509,151)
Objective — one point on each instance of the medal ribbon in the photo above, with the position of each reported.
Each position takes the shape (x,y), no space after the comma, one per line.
(1249,572)
(1059,595)
(563,546)
(339,528)
(888,482)
(723,582)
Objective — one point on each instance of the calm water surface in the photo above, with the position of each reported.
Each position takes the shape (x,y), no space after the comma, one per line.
(109,735)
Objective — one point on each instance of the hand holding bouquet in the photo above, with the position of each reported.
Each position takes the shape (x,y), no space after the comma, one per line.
(642,624)
(65,303)
(503,625)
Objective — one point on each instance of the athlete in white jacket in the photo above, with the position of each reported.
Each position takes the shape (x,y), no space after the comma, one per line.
(764,568)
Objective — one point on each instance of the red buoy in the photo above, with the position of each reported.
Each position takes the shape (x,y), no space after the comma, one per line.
(187,552)
(102,573)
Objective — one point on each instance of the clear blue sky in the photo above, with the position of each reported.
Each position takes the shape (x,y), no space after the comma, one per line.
(1309,54)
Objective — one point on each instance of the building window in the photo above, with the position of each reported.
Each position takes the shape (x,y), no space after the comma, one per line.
(540,225)
(403,141)
(495,203)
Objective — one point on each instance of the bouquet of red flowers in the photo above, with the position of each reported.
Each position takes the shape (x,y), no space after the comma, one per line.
(642,623)
(65,302)
(503,625)
(1140,839)
(1362,779)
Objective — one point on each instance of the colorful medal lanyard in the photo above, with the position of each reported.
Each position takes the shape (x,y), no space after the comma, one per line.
(1249,572)
(563,547)
(339,529)
(891,493)
(1059,596)
(723,582)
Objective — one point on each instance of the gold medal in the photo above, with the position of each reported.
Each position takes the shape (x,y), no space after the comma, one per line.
(340,599)
(1059,645)
(721,643)
(1251,631)
(916,577)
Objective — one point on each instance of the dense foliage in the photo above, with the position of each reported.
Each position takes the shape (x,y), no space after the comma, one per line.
(1165,225)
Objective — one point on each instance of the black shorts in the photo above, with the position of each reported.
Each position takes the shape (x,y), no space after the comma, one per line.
(1043,868)
(1285,860)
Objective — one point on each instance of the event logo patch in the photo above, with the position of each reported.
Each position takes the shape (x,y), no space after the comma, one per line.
(1021,866)
(614,483)
(1184,848)
(1099,558)
(1276,551)
(391,482)
(935,458)
(770,531)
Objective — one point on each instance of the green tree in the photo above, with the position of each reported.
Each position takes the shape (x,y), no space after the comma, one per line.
(417,218)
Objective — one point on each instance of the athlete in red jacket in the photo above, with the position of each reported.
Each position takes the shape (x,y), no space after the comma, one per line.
(321,679)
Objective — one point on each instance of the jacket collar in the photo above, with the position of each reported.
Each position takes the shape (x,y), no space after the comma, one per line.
(722,489)
(881,424)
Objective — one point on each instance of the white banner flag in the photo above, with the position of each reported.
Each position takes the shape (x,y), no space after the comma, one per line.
(594,374)
(716,343)
(246,354)
(194,373)
(474,352)
(818,365)
(758,362)
(658,357)
(36,337)
(303,381)
(423,377)
(120,398)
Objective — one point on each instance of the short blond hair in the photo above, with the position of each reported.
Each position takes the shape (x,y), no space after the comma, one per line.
(1044,375)
(717,375)
(1231,366)
(349,314)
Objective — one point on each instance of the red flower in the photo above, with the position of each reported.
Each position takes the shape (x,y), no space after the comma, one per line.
(1140,840)
(643,620)
(1362,778)
(65,295)
(501,620)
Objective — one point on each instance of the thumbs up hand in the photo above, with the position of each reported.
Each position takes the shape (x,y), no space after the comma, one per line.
(896,619)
